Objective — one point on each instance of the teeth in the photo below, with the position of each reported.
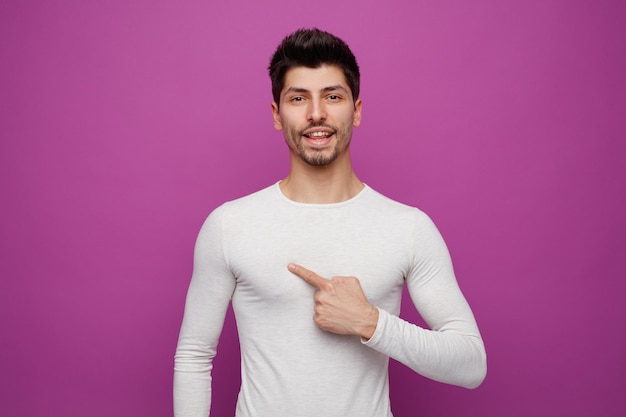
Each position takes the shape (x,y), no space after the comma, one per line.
(319,134)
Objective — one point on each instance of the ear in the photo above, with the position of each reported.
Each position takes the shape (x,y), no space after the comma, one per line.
(356,117)
(276,116)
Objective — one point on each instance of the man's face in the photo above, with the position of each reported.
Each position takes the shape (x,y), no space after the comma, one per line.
(316,113)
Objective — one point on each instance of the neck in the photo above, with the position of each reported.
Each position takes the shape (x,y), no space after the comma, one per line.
(334,183)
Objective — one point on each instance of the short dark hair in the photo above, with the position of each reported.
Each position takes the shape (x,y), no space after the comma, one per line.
(312,48)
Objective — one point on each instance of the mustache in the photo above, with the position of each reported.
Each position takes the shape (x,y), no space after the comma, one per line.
(318,124)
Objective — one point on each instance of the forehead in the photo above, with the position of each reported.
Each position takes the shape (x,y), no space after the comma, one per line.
(314,79)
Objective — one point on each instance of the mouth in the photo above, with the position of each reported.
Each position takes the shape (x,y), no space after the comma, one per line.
(318,137)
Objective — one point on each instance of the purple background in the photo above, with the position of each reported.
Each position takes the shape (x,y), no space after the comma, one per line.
(124,123)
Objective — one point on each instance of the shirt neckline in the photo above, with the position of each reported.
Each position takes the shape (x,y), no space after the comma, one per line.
(366,189)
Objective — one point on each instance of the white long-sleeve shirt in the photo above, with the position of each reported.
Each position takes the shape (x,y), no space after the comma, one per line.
(290,367)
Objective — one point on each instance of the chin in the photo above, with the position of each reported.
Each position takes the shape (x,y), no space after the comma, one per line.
(320,159)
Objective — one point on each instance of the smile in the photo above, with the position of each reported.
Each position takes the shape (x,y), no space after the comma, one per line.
(318,135)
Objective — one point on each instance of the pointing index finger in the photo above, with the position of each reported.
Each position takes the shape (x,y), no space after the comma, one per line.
(309,276)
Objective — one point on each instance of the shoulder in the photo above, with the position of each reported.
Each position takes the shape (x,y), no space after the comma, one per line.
(411,219)
(253,201)
(237,213)
(390,206)
(243,211)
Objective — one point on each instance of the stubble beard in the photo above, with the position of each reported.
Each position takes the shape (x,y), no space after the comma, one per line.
(317,157)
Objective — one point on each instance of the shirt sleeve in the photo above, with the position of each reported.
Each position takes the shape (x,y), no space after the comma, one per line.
(210,291)
(452,350)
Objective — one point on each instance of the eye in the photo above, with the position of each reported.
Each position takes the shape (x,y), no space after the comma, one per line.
(297,99)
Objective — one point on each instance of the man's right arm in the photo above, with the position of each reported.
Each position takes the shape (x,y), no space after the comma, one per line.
(209,294)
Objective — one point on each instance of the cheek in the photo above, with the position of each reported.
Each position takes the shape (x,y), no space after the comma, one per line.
(291,132)
(286,120)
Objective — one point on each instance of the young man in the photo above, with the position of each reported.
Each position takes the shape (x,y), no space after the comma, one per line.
(314,267)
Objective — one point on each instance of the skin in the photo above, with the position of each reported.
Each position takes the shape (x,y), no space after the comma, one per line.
(340,305)
(317,114)
(318,100)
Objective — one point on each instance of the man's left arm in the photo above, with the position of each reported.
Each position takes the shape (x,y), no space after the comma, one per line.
(451,351)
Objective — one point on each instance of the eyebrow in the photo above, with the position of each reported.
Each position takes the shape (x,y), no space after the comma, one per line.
(325,89)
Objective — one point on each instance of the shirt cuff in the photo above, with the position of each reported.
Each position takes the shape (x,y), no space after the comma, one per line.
(380,325)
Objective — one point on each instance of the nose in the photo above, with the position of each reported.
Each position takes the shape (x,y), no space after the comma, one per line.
(316,111)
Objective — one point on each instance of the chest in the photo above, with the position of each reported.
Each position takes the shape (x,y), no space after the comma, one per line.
(330,245)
